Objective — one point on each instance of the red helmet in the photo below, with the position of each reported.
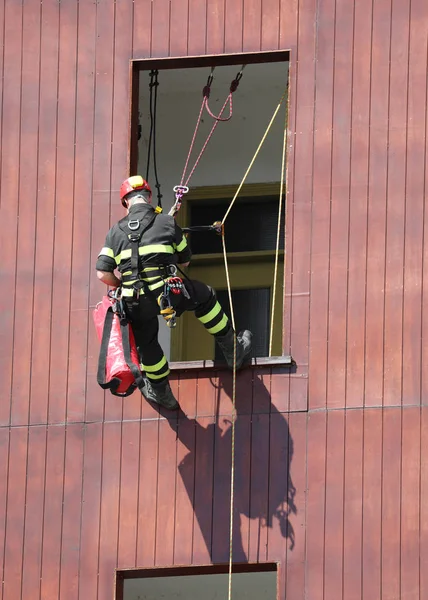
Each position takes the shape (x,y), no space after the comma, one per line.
(132,184)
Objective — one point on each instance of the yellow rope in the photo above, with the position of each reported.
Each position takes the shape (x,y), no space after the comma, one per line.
(281,192)
(232,471)
(232,314)
(255,156)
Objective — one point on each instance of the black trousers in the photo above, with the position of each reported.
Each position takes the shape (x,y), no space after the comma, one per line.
(145,324)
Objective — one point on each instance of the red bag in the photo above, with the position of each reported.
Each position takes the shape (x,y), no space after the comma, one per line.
(118,364)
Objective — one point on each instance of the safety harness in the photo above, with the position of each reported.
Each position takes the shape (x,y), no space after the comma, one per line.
(173,284)
(134,229)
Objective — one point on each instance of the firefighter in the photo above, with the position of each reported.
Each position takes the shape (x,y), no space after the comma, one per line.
(146,247)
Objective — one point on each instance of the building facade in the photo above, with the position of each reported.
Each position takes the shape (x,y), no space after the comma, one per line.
(331,476)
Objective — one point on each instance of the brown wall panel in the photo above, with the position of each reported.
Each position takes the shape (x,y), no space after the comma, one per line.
(179,33)
(26,235)
(128,494)
(315,504)
(302,190)
(372,505)
(339,215)
(280,534)
(270,25)
(410,503)
(251,34)
(34,511)
(185,487)
(334,505)
(15,514)
(215,24)
(142,28)
(102,184)
(44,227)
(197,32)
(415,194)
(110,507)
(53,512)
(147,493)
(9,177)
(321,181)
(90,520)
(353,504)
(161,22)
(395,219)
(63,225)
(80,251)
(423,548)
(355,363)
(296,506)
(391,503)
(165,515)
(71,529)
(259,488)
(4,458)
(233,26)
(377,201)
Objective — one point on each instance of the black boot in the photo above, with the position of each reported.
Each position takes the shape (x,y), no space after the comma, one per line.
(160,393)
(243,346)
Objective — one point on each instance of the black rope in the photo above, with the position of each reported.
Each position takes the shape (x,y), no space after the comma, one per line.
(152,137)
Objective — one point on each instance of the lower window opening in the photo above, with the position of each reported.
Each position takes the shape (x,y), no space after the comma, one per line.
(249,582)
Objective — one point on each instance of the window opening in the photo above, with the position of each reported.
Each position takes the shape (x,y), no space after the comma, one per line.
(224,163)
(251,582)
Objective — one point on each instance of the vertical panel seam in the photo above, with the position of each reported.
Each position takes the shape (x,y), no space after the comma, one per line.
(194,476)
(67,371)
(43,513)
(385,262)
(330,202)
(401,500)
(316,26)
(97,587)
(2,53)
(169,28)
(155,537)
(55,204)
(362,495)
(151,29)
(24,528)
(367,211)
(174,527)
(405,204)
(62,513)
(5,512)
(424,213)
(351,117)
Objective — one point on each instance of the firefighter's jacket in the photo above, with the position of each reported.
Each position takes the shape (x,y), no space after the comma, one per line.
(163,243)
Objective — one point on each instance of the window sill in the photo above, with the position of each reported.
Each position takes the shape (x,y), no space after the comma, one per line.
(272,361)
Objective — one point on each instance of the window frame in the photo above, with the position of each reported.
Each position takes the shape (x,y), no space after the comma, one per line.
(201,194)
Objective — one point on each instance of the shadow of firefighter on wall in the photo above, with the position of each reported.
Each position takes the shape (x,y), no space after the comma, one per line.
(263,490)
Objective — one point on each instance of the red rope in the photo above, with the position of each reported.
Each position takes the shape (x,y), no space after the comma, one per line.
(216,122)
(182,188)
(193,141)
